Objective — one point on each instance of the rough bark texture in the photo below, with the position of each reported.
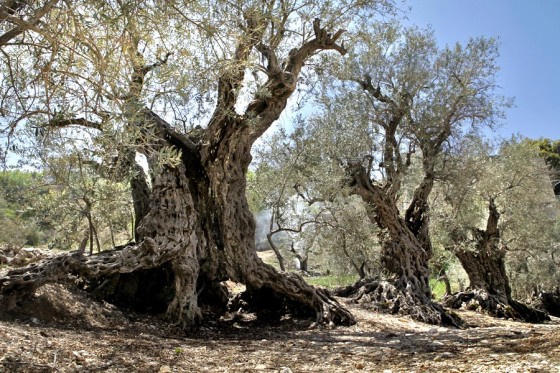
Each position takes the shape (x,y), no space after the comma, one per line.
(405,240)
(199,226)
(489,288)
(404,258)
(140,191)
(384,296)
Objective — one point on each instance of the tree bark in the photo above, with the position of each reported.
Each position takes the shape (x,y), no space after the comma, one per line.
(140,191)
(276,250)
(403,256)
(548,301)
(489,288)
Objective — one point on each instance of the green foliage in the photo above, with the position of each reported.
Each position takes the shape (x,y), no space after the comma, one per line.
(516,178)
(18,216)
(79,199)
(255,200)
(438,288)
(550,151)
(301,188)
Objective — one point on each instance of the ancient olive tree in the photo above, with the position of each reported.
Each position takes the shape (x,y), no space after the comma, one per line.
(402,95)
(497,215)
(191,87)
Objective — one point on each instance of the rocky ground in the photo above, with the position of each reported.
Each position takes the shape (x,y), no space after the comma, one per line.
(65,331)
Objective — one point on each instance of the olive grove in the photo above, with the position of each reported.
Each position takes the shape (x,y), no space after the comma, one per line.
(156,110)
(400,98)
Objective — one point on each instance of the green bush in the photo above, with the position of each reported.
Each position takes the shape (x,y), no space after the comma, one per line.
(438,288)
(11,232)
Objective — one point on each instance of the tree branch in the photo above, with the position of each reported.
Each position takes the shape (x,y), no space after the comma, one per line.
(367,86)
(322,41)
(61,122)
(22,25)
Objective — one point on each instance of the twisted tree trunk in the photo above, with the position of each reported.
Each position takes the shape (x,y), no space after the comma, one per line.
(199,227)
(404,257)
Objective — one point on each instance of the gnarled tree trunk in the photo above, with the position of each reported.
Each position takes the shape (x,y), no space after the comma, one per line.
(405,241)
(199,226)
(404,257)
(489,288)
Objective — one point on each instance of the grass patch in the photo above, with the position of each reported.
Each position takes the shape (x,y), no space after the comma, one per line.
(438,288)
(332,281)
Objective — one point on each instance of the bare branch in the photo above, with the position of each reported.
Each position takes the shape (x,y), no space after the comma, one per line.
(60,122)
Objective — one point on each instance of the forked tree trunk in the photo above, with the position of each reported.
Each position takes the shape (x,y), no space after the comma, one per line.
(276,250)
(235,254)
(405,261)
(199,223)
(489,288)
(443,277)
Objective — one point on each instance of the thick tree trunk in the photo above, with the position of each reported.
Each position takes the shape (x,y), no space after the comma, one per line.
(404,259)
(199,222)
(486,268)
(489,288)
(548,301)
(236,255)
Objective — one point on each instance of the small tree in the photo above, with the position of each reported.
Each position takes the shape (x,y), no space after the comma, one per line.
(19,220)
(84,207)
(315,215)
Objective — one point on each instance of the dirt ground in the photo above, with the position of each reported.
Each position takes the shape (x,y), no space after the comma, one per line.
(63,331)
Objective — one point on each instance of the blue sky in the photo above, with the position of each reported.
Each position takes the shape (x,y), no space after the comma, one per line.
(529,33)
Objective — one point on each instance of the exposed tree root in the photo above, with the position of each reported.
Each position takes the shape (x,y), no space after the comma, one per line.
(143,278)
(294,296)
(548,301)
(383,296)
(482,301)
(21,283)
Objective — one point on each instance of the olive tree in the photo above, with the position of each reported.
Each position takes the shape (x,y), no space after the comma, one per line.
(550,151)
(83,207)
(306,217)
(400,95)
